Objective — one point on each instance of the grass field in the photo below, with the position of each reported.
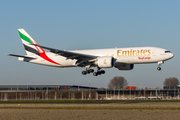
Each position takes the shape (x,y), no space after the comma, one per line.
(89,101)
(90,109)
(93,104)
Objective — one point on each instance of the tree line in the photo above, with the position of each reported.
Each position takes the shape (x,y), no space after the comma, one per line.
(119,82)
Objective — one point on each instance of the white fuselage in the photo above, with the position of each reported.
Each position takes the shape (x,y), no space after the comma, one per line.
(136,55)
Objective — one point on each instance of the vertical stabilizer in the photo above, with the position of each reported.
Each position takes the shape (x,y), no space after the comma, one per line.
(27,41)
(31,48)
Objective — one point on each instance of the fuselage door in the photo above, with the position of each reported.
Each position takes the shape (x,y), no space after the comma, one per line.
(153,52)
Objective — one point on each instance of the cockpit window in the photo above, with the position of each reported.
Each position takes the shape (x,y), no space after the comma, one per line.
(167,51)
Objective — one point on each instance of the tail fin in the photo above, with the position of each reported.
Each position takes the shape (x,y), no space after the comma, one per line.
(27,41)
(31,48)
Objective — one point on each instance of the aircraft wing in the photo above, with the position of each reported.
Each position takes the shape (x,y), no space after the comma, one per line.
(81,58)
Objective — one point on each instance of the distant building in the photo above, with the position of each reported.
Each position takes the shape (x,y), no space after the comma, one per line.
(130,87)
(44,87)
(171,87)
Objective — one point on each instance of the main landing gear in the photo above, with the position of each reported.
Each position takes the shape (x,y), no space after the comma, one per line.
(99,72)
(88,71)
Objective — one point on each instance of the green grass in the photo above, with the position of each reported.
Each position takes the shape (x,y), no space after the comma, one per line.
(92,108)
(92,104)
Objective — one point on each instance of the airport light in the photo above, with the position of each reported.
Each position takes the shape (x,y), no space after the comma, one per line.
(89,90)
(106,92)
(114,93)
(130,93)
(144,91)
(174,92)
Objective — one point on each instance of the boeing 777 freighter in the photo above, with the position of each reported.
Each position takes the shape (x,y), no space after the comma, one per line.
(121,58)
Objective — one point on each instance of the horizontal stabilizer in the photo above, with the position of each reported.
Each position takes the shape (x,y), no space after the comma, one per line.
(21,56)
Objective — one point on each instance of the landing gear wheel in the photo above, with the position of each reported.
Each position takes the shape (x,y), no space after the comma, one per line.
(87,71)
(159,68)
(84,72)
(102,72)
(95,74)
(99,72)
(91,70)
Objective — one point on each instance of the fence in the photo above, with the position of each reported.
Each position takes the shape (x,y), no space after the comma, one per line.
(47,95)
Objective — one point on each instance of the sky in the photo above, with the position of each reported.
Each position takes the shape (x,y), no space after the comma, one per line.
(94,24)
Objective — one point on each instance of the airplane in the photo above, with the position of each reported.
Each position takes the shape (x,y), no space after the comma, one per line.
(120,58)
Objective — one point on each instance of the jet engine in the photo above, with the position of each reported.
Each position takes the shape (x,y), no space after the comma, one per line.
(105,62)
(124,66)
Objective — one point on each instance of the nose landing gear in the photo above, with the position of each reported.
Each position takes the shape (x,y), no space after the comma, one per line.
(159,68)
(159,64)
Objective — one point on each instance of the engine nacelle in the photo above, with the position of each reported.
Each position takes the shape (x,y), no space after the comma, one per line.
(105,62)
(123,66)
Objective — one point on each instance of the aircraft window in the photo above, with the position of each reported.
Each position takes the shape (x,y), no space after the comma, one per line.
(167,51)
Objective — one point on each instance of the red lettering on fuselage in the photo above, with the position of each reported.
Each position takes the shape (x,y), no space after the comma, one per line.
(142,58)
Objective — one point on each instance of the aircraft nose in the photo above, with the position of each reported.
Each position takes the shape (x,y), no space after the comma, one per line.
(171,55)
